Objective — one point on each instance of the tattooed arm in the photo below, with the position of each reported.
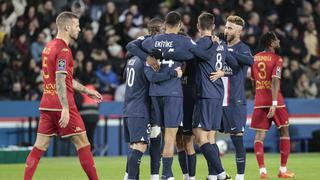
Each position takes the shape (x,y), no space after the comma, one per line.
(62,94)
(90,92)
(62,89)
(79,87)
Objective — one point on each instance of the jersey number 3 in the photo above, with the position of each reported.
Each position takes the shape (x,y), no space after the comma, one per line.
(130,76)
(262,70)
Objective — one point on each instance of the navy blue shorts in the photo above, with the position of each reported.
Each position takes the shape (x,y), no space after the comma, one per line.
(168,111)
(136,129)
(207,114)
(188,108)
(234,118)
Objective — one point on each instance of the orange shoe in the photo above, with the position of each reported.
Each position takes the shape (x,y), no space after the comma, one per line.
(264,176)
(286,175)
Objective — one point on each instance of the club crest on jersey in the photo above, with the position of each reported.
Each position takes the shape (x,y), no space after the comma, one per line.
(220,48)
(278,71)
(61,64)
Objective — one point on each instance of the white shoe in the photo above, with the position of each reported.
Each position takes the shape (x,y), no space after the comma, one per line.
(185,176)
(125,176)
(154,177)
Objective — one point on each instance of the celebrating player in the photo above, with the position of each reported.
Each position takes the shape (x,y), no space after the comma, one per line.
(269,103)
(58,111)
(234,102)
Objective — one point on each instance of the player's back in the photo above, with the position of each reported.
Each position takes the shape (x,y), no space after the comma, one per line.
(56,58)
(164,42)
(205,87)
(266,66)
(136,96)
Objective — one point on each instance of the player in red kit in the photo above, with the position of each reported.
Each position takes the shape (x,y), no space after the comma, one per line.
(269,103)
(58,111)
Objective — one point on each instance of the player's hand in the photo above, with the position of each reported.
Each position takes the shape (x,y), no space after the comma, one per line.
(215,39)
(65,117)
(179,72)
(222,37)
(216,75)
(94,95)
(272,110)
(153,63)
(156,53)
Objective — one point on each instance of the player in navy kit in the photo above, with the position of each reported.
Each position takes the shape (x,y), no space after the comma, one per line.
(167,96)
(234,102)
(137,108)
(155,26)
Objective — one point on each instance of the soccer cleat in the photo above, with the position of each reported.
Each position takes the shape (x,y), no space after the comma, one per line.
(228,177)
(286,174)
(264,176)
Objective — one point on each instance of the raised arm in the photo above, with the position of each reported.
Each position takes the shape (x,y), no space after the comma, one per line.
(135,48)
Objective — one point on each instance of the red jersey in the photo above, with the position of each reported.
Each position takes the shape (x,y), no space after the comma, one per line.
(56,58)
(266,65)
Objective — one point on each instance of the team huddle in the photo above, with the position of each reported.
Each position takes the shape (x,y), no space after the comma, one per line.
(178,93)
(190,90)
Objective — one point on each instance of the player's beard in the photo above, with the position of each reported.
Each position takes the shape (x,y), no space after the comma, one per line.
(230,38)
(74,36)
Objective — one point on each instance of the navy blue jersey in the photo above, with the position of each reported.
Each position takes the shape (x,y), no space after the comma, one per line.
(164,42)
(135,48)
(217,52)
(234,83)
(137,102)
(138,75)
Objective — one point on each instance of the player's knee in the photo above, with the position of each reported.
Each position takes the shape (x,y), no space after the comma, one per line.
(42,146)
(260,135)
(80,141)
(284,131)
(179,144)
(140,146)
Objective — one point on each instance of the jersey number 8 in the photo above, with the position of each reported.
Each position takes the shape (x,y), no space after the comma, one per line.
(218,63)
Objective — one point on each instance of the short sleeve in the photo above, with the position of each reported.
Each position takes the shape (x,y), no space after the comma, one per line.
(62,60)
(277,69)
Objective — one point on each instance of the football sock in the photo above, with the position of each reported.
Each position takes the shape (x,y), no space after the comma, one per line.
(134,161)
(240,153)
(87,163)
(211,168)
(259,151)
(129,152)
(32,162)
(166,167)
(155,154)
(240,177)
(182,156)
(210,154)
(192,161)
(284,150)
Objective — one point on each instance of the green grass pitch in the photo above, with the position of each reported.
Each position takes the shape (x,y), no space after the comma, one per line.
(306,166)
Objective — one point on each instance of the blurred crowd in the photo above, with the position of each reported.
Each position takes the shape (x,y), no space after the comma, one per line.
(107,26)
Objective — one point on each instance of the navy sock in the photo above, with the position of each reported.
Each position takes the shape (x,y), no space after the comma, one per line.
(134,163)
(183,161)
(167,167)
(155,154)
(129,152)
(192,161)
(209,153)
(240,153)
(211,169)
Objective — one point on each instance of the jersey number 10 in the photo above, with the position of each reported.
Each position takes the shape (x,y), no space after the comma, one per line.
(130,76)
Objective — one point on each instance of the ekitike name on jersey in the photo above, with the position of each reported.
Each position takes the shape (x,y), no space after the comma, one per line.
(163,44)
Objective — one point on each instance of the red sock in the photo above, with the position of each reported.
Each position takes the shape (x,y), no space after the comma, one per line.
(87,163)
(259,151)
(284,150)
(32,163)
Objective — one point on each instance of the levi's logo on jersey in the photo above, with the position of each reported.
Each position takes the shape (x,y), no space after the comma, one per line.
(61,64)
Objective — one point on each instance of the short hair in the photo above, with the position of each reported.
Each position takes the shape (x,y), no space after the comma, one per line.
(173,18)
(206,21)
(267,39)
(65,16)
(154,25)
(236,20)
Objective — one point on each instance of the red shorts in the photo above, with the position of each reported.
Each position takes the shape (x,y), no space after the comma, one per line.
(49,124)
(261,122)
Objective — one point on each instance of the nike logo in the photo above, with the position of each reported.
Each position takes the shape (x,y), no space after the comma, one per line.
(233,128)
